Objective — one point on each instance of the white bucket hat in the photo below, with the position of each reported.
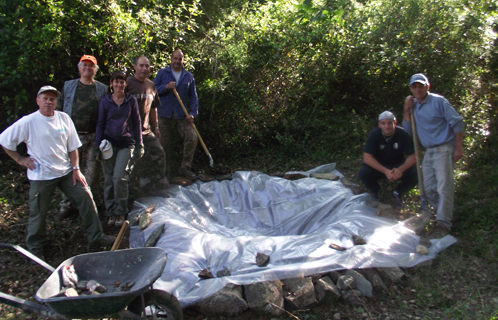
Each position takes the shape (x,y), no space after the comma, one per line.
(106,149)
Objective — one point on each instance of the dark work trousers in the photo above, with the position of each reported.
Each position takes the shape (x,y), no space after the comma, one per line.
(370,177)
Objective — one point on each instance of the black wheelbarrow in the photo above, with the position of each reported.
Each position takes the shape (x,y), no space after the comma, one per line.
(138,267)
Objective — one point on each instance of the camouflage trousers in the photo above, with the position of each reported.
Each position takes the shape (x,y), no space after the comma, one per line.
(148,176)
(167,127)
(88,167)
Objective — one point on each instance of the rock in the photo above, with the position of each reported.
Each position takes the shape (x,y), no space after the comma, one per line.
(336,247)
(134,217)
(299,293)
(422,250)
(277,174)
(327,176)
(94,286)
(294,176)
(226,302)
(265,297)
(152,239)
(334,275)
(205,274)
(385,211)
(346,282)
(345,181)
(327,292)
(353,297)
(144,221)
(262,259)
(223,273)
(372,203)
(358,241)
(375,279)
(393,275)
(362,284)
(81,285)
(150,208)
(356,189)
(71,292)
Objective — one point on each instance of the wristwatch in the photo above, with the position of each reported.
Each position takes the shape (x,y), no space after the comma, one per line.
(76,167)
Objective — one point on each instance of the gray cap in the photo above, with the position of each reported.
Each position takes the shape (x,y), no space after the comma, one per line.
(48,88)
(387,115)
(419,77)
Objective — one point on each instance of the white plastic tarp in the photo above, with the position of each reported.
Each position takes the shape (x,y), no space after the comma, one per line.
(222,226)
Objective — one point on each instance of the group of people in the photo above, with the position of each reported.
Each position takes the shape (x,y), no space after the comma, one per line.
(141,116)
(389,152)
(116,129)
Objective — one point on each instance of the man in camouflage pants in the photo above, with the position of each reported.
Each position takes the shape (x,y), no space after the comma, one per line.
(149,174)
(80,99)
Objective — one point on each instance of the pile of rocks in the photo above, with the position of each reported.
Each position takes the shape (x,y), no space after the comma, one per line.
(351,287)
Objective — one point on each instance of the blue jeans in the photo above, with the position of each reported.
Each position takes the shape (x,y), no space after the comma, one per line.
(437,169)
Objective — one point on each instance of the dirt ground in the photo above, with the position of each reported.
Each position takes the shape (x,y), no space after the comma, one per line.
(458,285)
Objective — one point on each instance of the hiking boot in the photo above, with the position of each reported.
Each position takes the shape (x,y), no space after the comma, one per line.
(187,173)
(439,232)
(111,221)
(105,241)
(119,221)
(398,199)
(64,213)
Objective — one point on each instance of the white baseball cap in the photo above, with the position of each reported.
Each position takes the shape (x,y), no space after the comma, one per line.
(106,149)
(387,115)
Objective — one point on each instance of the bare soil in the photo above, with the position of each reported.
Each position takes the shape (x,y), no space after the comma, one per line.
(460,284)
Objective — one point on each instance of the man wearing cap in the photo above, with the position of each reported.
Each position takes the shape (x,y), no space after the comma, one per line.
(171,115)
(384,158)
(149,173)
(52,144)
(80,100)
(440,131)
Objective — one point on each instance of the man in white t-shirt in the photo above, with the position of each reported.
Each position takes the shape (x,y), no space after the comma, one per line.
(53,144)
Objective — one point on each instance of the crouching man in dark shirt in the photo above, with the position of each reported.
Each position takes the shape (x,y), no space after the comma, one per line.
(389,153)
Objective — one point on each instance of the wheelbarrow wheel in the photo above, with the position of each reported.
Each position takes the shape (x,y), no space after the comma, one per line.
(158,305)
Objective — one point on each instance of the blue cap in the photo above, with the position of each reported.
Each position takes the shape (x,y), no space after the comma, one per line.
(419,77)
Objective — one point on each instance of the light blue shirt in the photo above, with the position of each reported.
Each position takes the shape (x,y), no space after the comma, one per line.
(436,121)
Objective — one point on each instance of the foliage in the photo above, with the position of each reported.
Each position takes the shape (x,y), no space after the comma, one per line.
(42,41)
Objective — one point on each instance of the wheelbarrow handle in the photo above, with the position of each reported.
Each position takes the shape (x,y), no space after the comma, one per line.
(29,255)
(195,128)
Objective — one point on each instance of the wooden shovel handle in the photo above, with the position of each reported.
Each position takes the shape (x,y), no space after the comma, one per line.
(121,233)
(193,124)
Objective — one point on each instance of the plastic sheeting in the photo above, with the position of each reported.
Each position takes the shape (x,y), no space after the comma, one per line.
(223,225)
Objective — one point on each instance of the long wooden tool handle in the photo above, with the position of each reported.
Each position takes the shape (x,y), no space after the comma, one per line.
(193,124)
(121,233)
(417,155)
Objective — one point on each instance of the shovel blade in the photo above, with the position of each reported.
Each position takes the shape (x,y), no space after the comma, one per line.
(418,222)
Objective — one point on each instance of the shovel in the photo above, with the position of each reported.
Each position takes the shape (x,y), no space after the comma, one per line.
(195,128)
(418,222)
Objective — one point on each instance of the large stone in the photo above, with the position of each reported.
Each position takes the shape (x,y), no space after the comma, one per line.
(299,293)
(393,275)
(326,292)
(228,302)
(385,211)
(346,282)
(375,279)
(334,275)
(353,297)
(265,297)
(362,284)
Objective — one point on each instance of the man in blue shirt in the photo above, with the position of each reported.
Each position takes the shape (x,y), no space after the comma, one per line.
(171,115)
(440,131)
(384,158)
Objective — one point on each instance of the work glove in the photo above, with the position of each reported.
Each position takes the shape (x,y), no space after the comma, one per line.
(97,154)
(139,151)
